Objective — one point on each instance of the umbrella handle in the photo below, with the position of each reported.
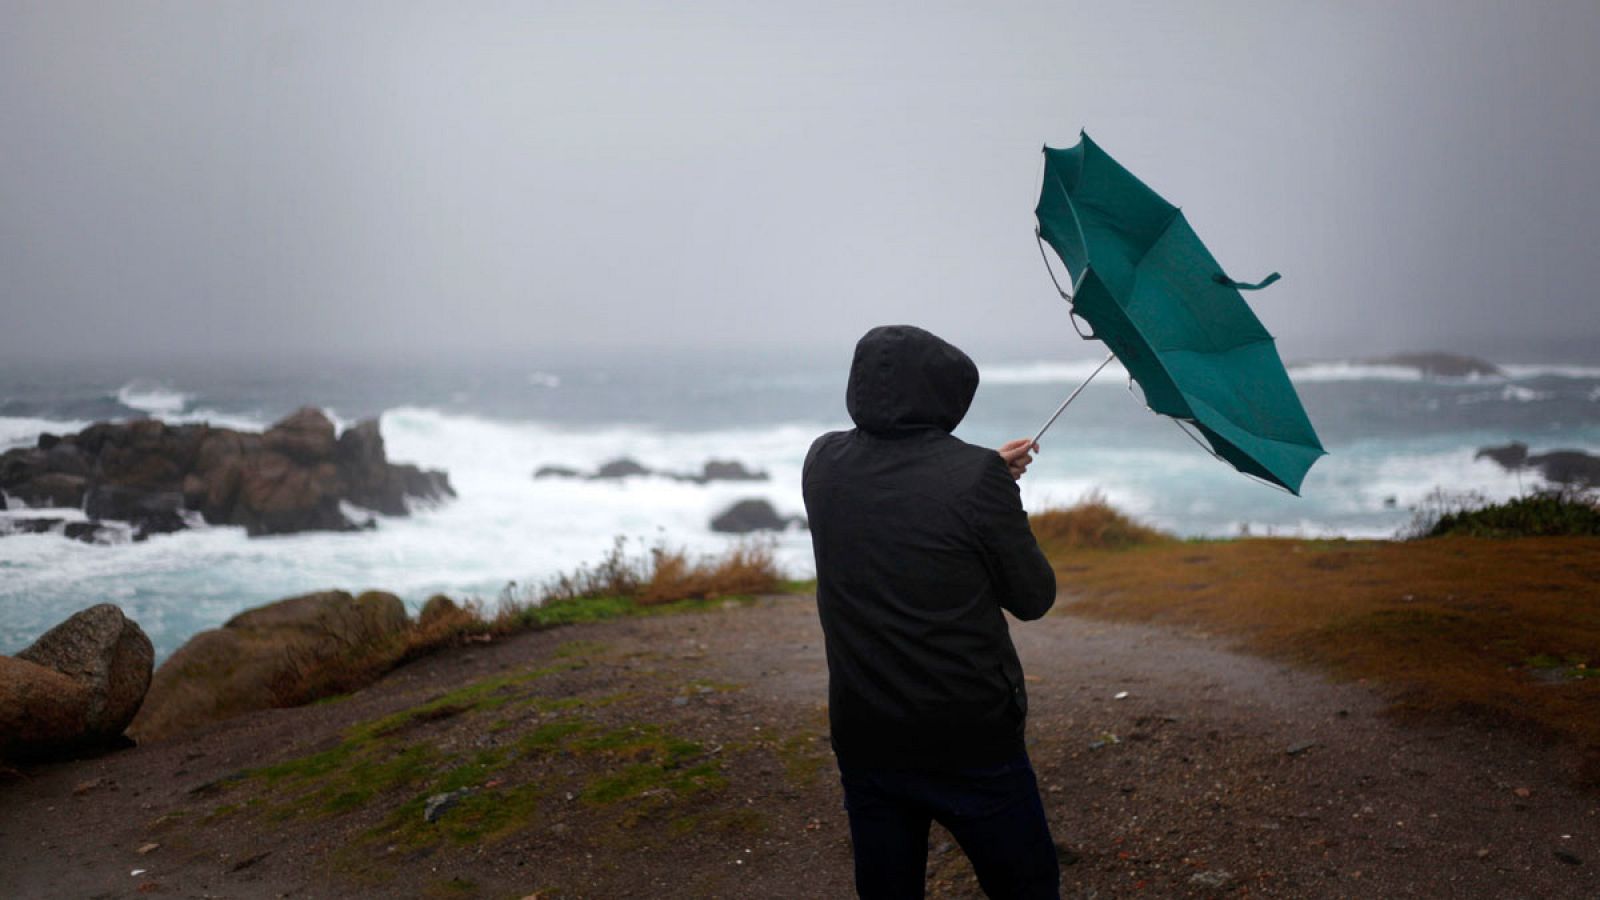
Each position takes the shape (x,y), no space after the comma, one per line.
(1073,396)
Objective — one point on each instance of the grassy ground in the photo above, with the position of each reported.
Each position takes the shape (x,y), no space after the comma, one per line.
(1506,630)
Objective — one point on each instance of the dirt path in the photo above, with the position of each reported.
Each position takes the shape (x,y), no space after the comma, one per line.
(686,756)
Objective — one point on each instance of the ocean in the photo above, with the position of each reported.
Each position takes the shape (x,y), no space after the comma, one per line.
(1393,437)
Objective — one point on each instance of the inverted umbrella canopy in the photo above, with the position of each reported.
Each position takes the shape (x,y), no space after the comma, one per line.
(1152,292)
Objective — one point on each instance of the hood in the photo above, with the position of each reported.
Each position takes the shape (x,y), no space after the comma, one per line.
(904,379)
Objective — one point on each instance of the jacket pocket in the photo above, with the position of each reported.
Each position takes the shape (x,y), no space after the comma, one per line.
(1017,703)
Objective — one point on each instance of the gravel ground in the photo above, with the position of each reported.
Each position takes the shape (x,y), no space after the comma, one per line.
(1171,766)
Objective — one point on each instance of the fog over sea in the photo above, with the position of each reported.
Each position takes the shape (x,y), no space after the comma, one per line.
(1393,437)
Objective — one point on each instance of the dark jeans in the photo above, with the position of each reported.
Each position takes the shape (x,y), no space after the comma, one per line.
(994,813)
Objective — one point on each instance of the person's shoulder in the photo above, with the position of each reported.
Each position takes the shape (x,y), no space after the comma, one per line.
(968,465)
(823,442)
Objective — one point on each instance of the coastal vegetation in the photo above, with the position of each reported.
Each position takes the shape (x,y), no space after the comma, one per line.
(1546,513)
(1497,630)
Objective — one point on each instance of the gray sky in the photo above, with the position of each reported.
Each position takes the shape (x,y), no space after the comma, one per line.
(380,178)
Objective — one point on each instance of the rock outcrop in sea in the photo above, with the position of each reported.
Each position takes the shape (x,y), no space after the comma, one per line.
(748,516)
(76,688)
(298,475)
(616,469)
(1572,468)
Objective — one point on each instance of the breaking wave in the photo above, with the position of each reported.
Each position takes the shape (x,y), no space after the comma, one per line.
(153,398)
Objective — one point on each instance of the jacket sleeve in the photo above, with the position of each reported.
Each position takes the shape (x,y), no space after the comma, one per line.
(1024,582)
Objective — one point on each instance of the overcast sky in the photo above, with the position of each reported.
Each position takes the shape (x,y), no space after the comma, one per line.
(449,178)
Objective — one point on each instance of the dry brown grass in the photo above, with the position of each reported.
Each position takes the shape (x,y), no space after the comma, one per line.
(662,575)
(1506,630)
(1091,522)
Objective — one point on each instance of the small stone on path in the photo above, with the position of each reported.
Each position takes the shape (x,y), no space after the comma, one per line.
(439,804)
(1214,879)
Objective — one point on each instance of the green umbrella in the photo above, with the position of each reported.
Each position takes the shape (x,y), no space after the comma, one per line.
(1151,291)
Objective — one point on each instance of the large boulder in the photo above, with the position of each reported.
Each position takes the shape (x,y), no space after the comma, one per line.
(439,608)
(42,712)
(752,515)
(78,685)
(249,662)
(305,436)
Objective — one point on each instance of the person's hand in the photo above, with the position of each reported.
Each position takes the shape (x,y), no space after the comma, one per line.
(1018,454)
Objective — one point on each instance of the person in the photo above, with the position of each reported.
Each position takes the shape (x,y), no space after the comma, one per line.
(921,541)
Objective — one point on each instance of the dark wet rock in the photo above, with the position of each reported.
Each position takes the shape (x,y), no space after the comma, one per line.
(620,468)
(1574,468)
(728,470)
(556,472)
(747,516)
(129,504)
(52,489)
(65,458)
(293,477)
(1569,467)
(96,533)
(305,435)
(1509,456)
(713,470)
(87,532)
(78,686)
(245,664)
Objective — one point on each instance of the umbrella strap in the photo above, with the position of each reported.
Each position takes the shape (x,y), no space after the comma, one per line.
(1246,286)
(1072,313)
(1052,272)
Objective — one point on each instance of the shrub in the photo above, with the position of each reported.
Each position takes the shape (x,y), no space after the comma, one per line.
(1548,513)
(1092,523)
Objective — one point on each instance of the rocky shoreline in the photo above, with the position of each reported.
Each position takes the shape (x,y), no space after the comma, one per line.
(156,478)
(89,684)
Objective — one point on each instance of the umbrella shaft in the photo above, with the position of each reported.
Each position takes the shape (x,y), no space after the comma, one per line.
(1073,396)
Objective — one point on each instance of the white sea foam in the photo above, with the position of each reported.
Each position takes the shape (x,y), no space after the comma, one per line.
(152,397)
(23,431)
(1352,371)
(1511,393)
(544,380)
(1520,371)
(1044,372)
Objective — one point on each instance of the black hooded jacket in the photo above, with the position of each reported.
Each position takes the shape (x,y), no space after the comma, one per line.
(921,541)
